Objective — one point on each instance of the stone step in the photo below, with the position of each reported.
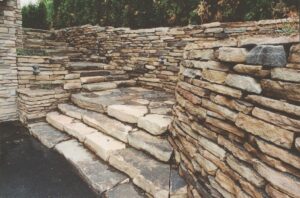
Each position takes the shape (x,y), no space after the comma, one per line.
(147,173)
(108,85)
(89,66)
(103,78)
(101,177)
(154,177)
(158,147)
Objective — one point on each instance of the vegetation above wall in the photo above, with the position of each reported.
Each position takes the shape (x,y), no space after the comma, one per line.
(151,13)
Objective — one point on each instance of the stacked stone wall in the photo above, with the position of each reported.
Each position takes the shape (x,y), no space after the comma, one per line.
(9,28)
(237,118)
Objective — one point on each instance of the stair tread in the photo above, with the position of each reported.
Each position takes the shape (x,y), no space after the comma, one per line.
(147,173)
(156,146)
(100,176)
(97,173)
(48,135)
(103,78)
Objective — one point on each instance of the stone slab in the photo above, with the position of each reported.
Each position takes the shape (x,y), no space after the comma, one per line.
(103,145)
(96,173)
(147,173)
(154,123)
(126,190)
(158,147)
(48,135)
(127,113)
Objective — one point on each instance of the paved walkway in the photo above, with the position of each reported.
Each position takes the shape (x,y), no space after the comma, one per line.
(28,169)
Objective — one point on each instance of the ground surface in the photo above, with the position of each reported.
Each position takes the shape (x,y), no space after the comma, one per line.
(28,169)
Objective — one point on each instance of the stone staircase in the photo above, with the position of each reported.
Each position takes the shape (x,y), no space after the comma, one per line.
(127,129)
(100,76)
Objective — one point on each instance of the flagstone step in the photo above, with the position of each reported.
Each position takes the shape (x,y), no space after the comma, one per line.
(147,173)
(99,72)
(108,85)
(156,146)
(101,177)
(125,190)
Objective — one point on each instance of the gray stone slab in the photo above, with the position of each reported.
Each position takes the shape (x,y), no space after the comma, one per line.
(267,55)
(96,173)
(48,135)
(126,190)
(178,186)
(147,173)
(156,146)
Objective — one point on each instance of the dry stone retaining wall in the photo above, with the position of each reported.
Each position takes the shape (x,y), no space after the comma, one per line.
(9,28)
(237,118)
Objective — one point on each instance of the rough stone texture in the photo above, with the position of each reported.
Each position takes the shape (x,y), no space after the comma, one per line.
(286,74)
(267,55)
(126,190)
(48,135)
(178,187)
(265,130)
(158,147)
(150,175)
(97,174)
(10,27)
(103,145)
(127,113)
(285,183)
(154,123)
(227,142)
(108,125)
(243,82)
(229,54)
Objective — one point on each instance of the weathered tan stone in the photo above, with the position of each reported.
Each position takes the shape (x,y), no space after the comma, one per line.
(236,150)
(297,143)
(285,90)
(221,190)
(274,193)
(214,76)
(245,171)
(218,88)
(278,153)
(277,119)
(103,145)
(254,70)
(79,130)
(223,111)
(286,74)
(212,147)
(230,54)
(283,182)
(278,136)
(213,65)
(243,82)
(259,40)
(58,120)
(294,56)
(158,147)
(127,113)
(275,104)
(205,54)
(225,126)
(237,105)
(207,165)
(154,123)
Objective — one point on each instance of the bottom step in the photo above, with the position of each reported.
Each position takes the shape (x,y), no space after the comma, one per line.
(103,179)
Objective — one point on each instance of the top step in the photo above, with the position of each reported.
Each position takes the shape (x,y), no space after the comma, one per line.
(75,66)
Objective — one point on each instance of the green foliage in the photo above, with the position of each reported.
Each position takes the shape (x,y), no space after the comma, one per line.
(152,13)
(35,16)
